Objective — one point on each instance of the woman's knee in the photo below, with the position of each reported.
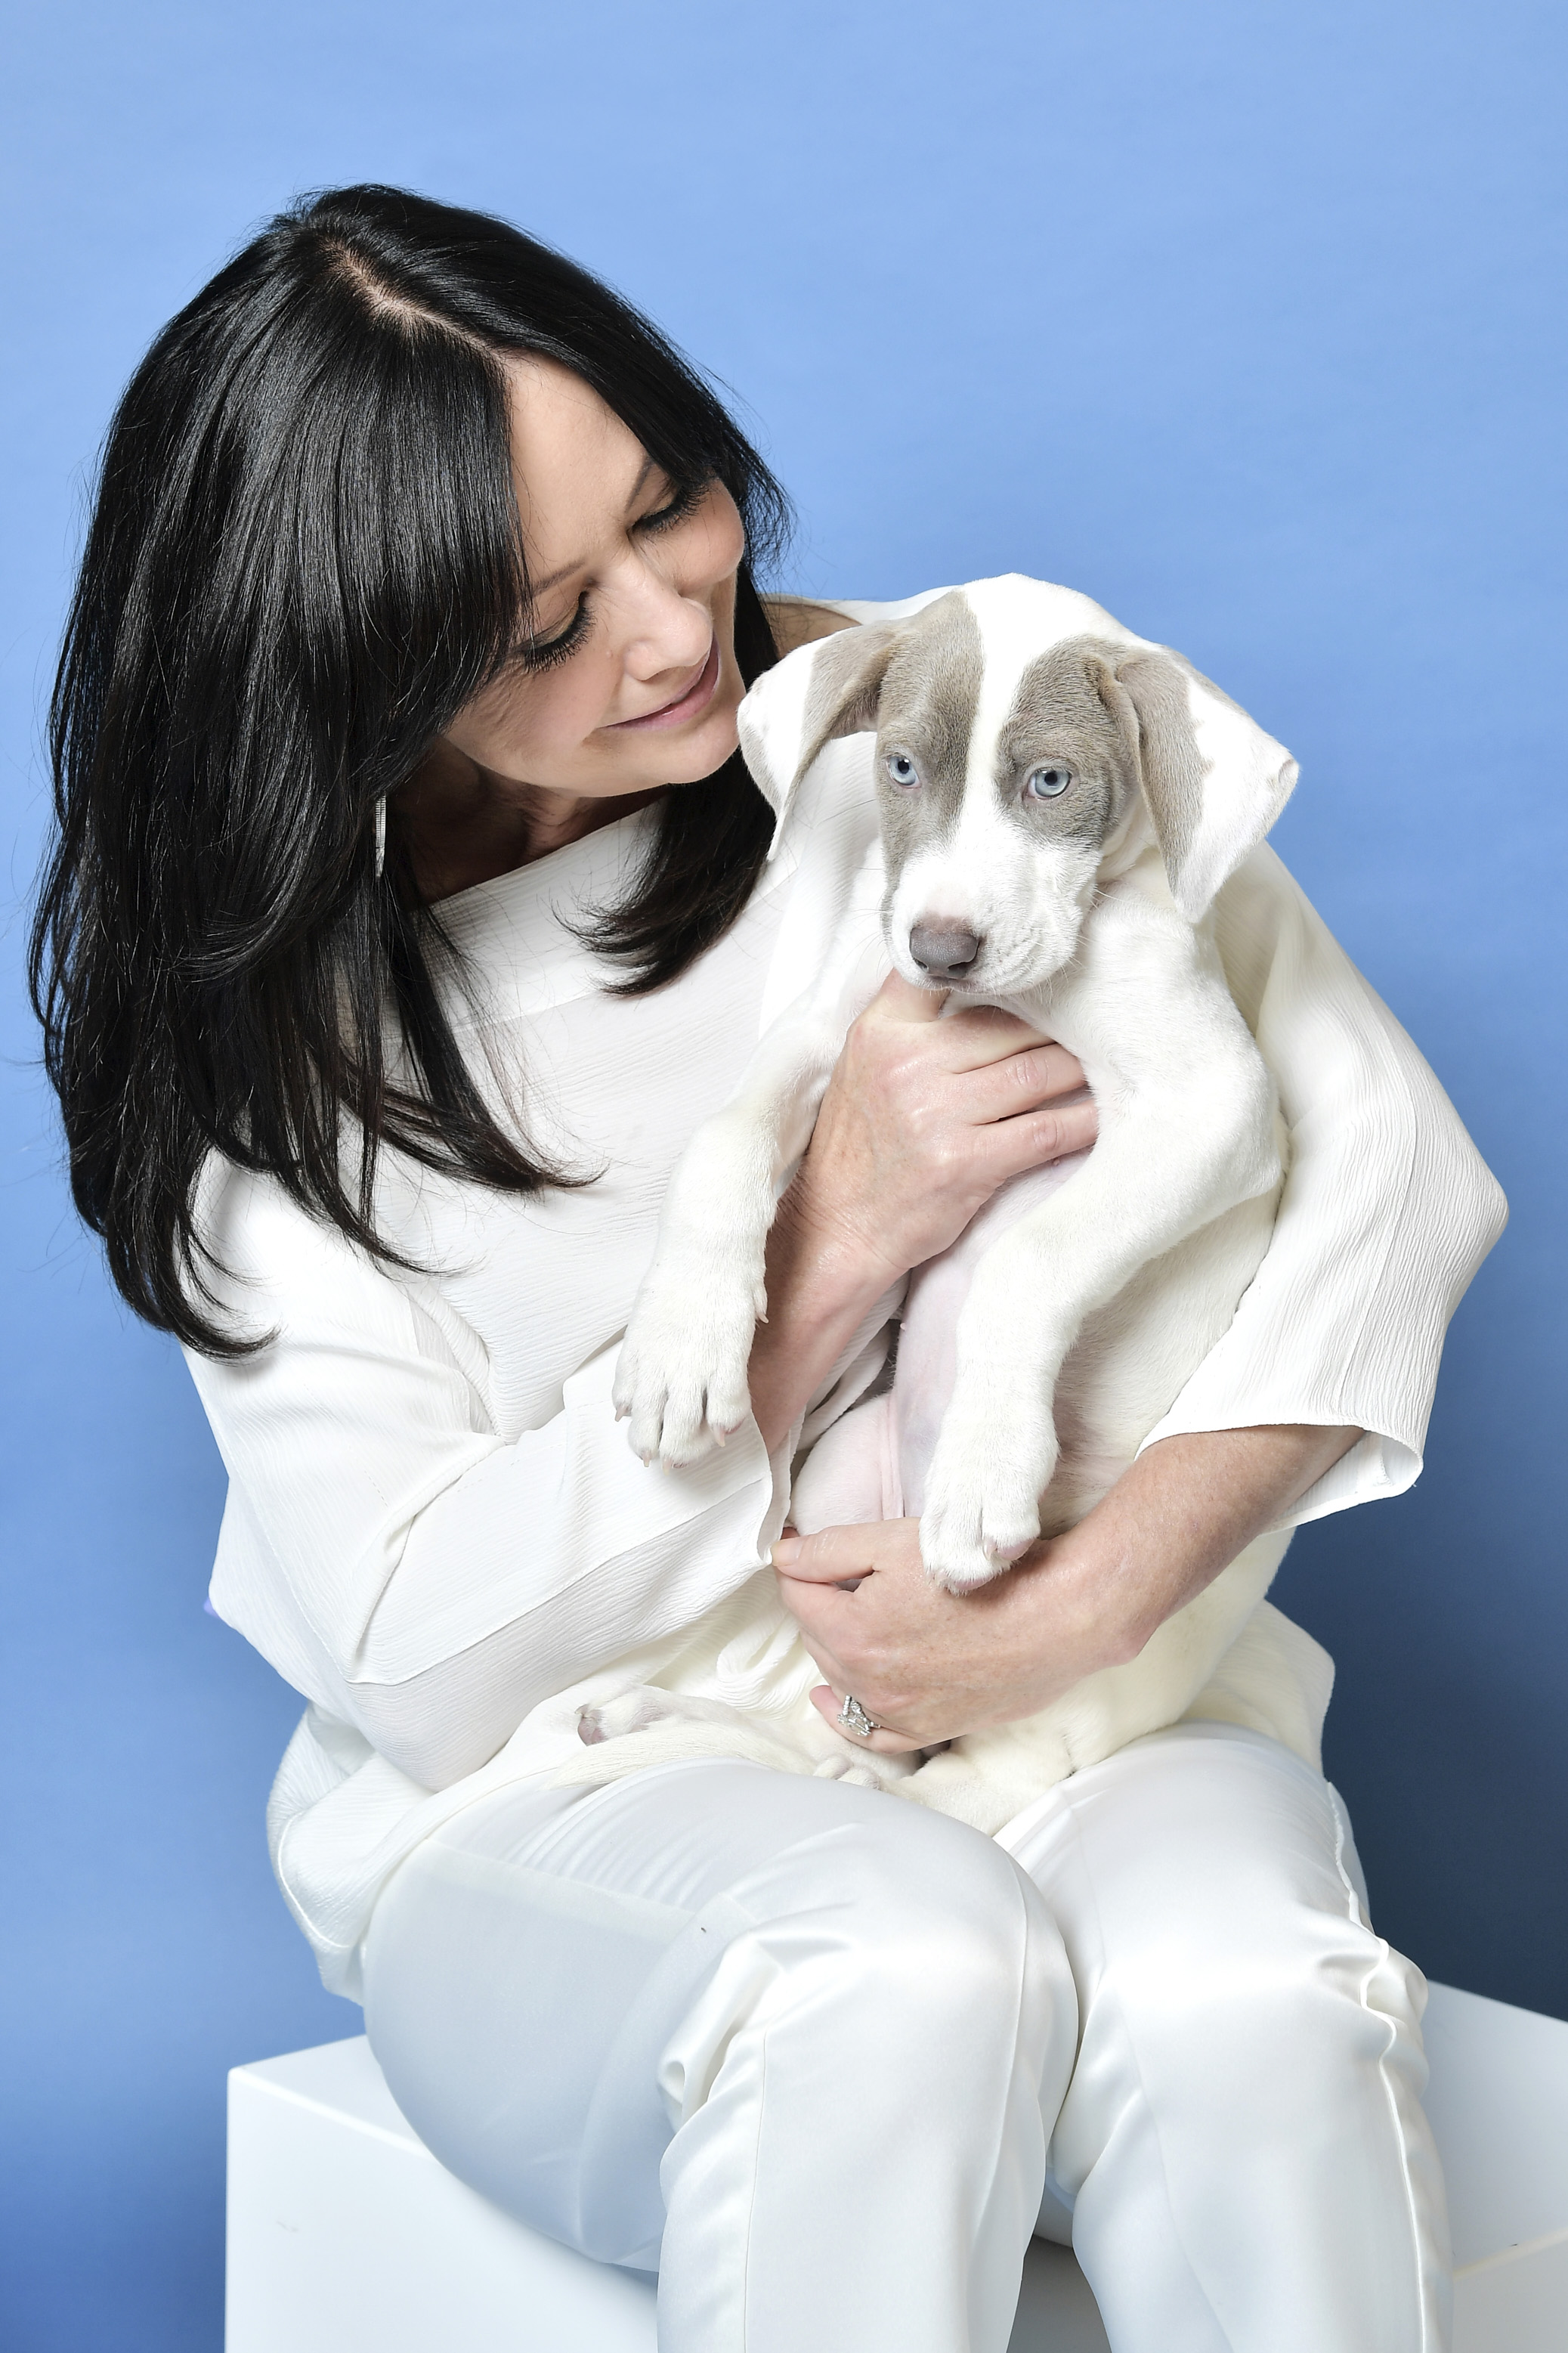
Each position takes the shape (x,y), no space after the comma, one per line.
(1302,2012)
(930,1924)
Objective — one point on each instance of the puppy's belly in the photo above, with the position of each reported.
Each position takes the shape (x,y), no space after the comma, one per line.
(851,1475)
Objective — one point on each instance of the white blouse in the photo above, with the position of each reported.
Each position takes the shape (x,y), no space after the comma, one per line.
(436,1529)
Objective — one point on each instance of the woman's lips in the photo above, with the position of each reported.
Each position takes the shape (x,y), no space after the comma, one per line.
(686,705)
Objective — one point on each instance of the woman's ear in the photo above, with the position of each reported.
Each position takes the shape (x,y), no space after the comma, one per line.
(820,692)
(1213,781)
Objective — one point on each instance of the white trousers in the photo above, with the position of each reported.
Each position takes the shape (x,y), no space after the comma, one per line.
(825,2060)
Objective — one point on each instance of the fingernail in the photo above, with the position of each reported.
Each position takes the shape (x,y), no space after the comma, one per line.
(786,1552)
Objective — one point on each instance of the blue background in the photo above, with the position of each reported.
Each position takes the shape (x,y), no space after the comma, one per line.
(1247,319)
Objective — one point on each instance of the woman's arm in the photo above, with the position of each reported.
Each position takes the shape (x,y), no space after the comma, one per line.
(927,1664)
(413,1571)
(1387,1211)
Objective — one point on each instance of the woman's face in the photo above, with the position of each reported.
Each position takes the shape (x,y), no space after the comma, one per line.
(629,682)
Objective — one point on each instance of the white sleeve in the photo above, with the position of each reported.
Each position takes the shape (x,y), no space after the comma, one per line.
(1387,1211)
(397,1560)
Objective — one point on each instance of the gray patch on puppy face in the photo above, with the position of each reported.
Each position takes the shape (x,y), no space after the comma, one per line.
(931,692)
(1067,714)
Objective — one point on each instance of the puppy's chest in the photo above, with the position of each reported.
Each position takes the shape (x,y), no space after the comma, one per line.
(1142,992)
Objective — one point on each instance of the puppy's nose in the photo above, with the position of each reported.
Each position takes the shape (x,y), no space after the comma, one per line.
(945,951)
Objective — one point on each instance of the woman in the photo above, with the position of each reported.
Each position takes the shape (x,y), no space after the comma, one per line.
(404,919)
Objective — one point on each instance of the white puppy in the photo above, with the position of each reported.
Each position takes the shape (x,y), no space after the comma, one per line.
(1060,803)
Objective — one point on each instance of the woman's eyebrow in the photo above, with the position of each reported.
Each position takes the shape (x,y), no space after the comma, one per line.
(539,587)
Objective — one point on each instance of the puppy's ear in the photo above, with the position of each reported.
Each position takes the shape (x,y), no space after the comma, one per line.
(820,691)
(1213,781)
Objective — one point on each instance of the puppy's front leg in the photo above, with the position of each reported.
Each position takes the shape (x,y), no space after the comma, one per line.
(681,1375)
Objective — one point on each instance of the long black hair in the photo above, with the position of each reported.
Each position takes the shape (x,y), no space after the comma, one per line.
(305,555)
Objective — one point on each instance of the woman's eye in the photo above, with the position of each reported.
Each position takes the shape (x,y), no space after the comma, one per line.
(544,653)
(902,772)
(684,500)
(1047,784)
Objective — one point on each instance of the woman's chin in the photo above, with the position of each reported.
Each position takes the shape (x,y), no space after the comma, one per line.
(689,759)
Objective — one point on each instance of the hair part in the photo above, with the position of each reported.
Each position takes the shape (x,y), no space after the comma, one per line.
(304,558)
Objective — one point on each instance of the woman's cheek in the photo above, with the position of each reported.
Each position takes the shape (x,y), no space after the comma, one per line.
(548,719)
(728,545)
(576,700)
(706,553)
(730,538)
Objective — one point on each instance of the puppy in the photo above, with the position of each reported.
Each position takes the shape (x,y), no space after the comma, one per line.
(1059,801)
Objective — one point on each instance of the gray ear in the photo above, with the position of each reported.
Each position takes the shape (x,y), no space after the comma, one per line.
(819,691)
(1213,781)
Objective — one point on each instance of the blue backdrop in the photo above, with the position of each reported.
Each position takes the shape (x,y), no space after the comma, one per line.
(1245,318)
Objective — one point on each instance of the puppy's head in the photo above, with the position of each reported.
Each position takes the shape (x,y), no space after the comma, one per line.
(1025,745)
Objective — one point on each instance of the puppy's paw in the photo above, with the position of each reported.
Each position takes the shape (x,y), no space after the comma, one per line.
(983,1497)
(645,1704)
(629,1711)
(952,1541)
(681,1378)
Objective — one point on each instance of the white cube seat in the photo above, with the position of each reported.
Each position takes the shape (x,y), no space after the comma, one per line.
(346,2236)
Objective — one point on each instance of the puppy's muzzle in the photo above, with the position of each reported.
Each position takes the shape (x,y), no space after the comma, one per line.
(943,950)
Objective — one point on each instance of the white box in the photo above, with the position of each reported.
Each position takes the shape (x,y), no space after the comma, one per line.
(346,2236)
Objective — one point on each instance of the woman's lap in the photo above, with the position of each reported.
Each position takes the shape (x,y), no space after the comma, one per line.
(555,1984)
(581,1928)
(787,2013)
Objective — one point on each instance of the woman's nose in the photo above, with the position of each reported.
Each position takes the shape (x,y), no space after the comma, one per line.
(670,631)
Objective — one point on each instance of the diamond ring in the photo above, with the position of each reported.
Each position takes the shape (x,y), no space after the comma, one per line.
(853,1718)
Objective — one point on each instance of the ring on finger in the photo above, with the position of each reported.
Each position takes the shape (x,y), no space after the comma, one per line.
(853,1718)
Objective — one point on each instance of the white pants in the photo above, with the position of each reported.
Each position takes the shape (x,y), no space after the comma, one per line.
(826,2060)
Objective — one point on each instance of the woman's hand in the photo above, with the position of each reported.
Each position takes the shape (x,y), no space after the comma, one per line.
(927,1665)
(924,1663)
(924,1118)
(921,1122)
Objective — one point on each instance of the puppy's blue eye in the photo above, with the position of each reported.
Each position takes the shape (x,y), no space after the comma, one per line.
(902,772)
(1047,784)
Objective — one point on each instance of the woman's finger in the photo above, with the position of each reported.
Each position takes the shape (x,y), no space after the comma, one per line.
(1018,1082)
(1008,1146)
(831,1557)
(979,1036)
(967,1040)
(898,999)
(885,1739)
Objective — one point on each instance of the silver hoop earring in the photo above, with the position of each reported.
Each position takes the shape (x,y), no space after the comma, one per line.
(380,837)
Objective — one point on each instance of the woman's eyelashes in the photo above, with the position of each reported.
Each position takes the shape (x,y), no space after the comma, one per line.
(546,653)
(683,499)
